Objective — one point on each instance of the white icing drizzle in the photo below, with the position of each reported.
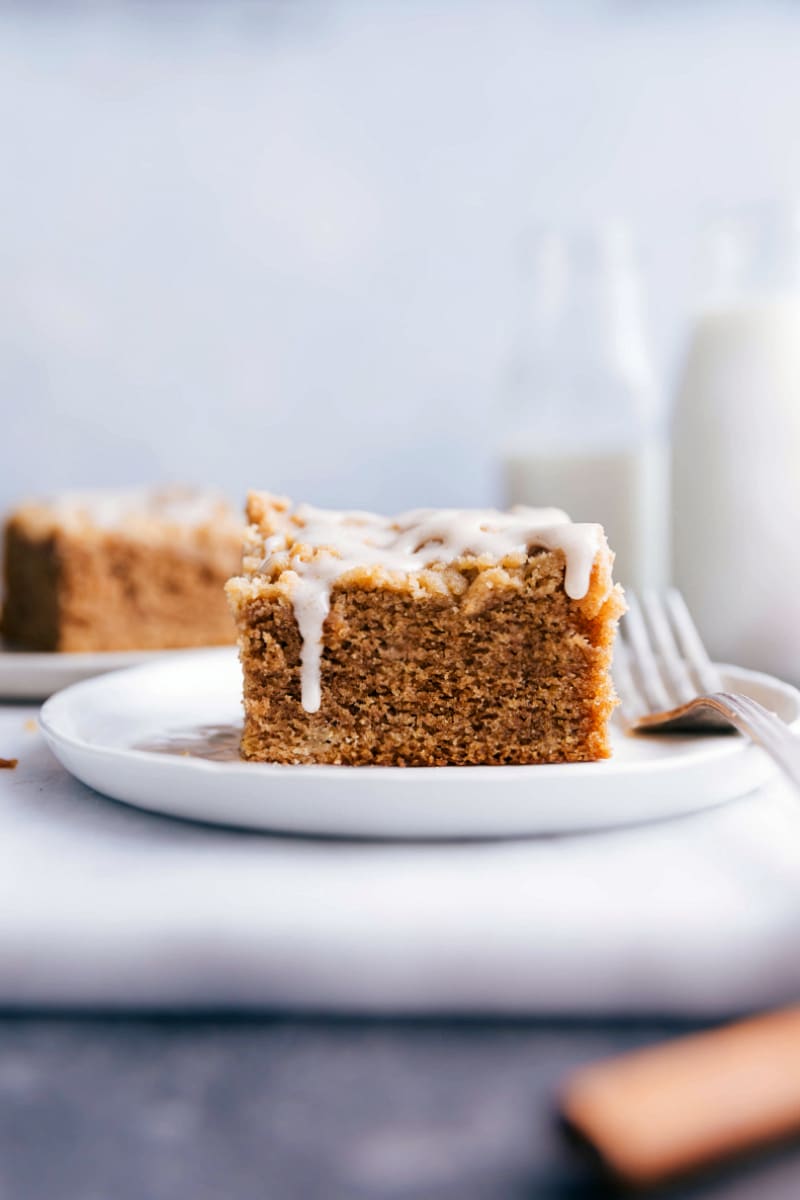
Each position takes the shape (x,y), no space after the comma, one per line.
(110,508)
(311,603)
(318,546)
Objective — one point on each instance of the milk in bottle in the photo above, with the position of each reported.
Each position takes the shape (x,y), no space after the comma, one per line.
(736,456)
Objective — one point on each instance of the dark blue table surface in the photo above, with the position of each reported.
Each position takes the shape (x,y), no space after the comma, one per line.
(176,1109)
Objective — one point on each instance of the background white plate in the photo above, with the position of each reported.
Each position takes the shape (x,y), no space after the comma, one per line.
(35,674)
(96,727)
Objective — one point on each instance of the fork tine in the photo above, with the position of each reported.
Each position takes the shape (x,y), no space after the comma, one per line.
(666,648)
(631,704)
(644,658)
(691,643)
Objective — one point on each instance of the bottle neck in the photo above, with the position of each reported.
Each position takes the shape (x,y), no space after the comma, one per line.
(583,356)
(750,258)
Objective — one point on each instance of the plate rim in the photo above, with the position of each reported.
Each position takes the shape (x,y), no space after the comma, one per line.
(179,762)
(76,659)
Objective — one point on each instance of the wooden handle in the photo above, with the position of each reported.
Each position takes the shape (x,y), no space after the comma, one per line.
(668,1109)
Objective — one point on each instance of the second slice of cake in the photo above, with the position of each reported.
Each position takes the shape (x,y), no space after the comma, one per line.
(137,569)
(438,637)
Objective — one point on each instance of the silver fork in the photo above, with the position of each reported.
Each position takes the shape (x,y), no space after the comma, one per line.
(667,683)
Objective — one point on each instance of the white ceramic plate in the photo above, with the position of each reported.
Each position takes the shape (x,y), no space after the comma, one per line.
(135,736)
(35,675)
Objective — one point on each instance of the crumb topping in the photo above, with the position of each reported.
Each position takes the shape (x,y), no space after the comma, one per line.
(307,550)
(146,510)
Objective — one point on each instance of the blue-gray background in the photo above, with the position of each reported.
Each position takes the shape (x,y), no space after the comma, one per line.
(278,245)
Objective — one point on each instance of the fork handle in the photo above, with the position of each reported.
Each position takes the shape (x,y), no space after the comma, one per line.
(762,726)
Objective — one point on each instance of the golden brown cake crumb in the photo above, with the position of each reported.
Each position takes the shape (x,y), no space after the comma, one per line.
(473,658)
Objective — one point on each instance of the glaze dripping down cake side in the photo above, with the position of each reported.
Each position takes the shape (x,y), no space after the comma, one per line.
(438,637)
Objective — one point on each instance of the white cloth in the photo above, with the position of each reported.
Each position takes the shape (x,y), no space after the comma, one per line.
(104,906)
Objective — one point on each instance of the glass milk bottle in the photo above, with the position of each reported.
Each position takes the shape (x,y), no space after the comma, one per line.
(736,456)
(584,430)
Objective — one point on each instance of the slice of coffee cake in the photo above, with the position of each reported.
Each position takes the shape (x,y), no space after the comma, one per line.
(120,570)
(432,638)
